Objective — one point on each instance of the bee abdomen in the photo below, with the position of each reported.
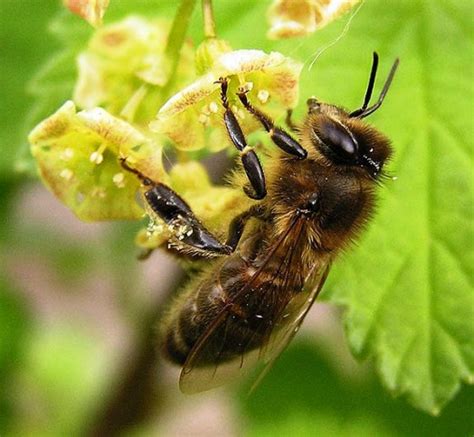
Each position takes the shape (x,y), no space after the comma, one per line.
(237,331)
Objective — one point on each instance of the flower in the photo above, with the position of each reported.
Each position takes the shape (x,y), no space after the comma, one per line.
(91,10)
(290,18)
(193,117)
(124,67)
(77,155)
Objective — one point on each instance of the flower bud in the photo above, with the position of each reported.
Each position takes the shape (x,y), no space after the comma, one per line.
(207,53)
(91,10)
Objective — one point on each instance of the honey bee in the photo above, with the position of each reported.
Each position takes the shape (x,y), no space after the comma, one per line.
(312,201)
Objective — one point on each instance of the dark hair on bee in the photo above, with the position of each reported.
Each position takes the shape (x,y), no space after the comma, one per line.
(343,138)
(321,193)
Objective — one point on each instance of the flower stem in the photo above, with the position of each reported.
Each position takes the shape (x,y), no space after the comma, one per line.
(208,18)
(176,39)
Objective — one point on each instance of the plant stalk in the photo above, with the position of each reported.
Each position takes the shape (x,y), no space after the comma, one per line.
(208,18)
(176,40)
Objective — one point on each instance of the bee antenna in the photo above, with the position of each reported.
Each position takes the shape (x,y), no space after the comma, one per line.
(370,86)
(364,112)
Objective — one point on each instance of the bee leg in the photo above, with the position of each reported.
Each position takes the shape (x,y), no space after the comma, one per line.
(289,121)
(237,225)
(279,136)
(176,213)
(249,158)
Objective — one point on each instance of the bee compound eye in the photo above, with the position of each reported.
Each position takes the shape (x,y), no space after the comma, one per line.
(338,140)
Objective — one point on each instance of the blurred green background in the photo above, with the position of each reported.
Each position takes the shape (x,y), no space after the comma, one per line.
(78,312)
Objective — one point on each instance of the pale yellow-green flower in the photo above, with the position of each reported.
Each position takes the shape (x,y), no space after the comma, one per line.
(91,10)
(292,18)
(208,52)
(193,118)
(125,66)
(121,78)
(77,155)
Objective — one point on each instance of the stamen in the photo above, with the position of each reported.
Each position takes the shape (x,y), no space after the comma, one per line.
(203,119)
(98,192)
(263,96)
(98,156)
(67,154)
(213,107)
(66,174)
(119,180)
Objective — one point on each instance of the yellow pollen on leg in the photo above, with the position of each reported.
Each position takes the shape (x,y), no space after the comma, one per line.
(246,150)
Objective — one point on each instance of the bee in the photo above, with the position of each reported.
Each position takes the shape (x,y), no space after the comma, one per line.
(316,195)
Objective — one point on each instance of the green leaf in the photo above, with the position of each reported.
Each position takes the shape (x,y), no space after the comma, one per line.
(24,45)
(15,325)
(408,288)
(408,285)
(310,391)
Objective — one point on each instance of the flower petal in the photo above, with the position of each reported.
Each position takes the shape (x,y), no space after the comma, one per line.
(188,115)
(291,18)
(91,10)
(125,62)
(77,155)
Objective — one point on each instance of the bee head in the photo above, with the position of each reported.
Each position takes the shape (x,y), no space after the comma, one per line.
(343,138)
(349,142)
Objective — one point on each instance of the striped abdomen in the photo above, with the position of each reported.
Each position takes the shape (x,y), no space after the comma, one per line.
(245,321)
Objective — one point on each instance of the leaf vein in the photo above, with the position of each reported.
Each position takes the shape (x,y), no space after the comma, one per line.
(405,354)
(449,132)
(456,342)
(379,305)
(445,247)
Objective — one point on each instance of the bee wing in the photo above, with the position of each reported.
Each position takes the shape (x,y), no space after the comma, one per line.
(262,336)
(290,321)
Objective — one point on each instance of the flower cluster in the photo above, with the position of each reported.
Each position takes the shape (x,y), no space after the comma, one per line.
(124,82)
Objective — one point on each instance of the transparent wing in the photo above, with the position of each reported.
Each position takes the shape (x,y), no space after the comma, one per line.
(290,321)
(261,335)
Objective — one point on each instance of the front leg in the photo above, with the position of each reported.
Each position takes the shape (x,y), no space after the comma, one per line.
(249,158)
(177,214)
(179,217)
(279,136)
